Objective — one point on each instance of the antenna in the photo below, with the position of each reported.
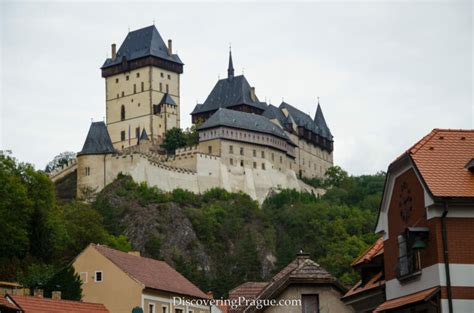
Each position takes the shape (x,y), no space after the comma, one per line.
(318,99)
(153,21)
(218,76)
(230,46)
(243,70)
(129,28)
(92,120)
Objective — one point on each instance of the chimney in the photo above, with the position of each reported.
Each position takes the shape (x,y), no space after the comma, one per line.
(135,253)
(38,293)
(170,47)
(253,96)
(301,256)
(114,51)
(56,295)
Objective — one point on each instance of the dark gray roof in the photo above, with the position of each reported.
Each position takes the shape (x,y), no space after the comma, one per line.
(229,92)
(167,99)
(321,122)
(142,43)
(272,112)
(98,140)
(304,120)
(242,120)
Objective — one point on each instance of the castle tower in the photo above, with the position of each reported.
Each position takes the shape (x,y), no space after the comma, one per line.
(142,83)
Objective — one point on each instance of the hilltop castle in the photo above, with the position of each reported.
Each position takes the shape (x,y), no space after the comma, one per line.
(244,144)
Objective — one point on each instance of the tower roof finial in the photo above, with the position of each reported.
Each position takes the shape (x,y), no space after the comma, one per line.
(230,69)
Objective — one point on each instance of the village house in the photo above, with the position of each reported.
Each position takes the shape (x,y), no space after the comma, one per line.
(427,221)
(369,292)
(38,304)
(304,280)
(123,281)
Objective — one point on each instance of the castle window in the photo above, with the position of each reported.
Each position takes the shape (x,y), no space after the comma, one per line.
(162,75)
(167,88)
(138,75)
(231,149)
(161,87)
(137,132)
(118,95)
(273,156)
(87,171)
(122,113)
(281,159)
(209,149)
(241,151)
(134,88)
(263,154)
(255,153)
(169,76)
(122,135)
(116,80)
(127,77)
(242,163)
(263,166)
(123,93)
(254,164)
(231,161)
(143,86)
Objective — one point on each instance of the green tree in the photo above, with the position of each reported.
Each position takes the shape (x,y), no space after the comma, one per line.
(67,281)
(61,159)
(335,176)
(174,139)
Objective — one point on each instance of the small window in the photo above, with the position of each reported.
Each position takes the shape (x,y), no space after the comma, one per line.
(151,308)
(263,154)
(134,88)
(98,277)
(178,310)
(242,163)
(254,164)
(231,161)
(167,88)
(162,75)
(138,75)
(281,159)
(209,149)
(116,80)
(118,95)
(254,153)
(127,77)
(122,113)
(87,171)
(273,156)
(123,93)
(137,132)
(263,166)
(231,149)
(161,87)
(310,303)
(241,151)
(169,76)
(122,135)
(164,309)
(83,276)
(143,86)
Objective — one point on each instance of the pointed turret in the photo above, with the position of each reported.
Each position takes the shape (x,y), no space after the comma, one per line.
(144,135)
(320,121)
(230,69)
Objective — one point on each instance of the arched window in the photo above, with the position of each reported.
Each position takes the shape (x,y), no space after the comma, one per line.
(122,113)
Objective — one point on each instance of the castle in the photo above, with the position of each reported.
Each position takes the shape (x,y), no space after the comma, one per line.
(244,144)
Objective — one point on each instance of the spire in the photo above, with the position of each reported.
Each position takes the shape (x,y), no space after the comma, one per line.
(320,121)
(230,70)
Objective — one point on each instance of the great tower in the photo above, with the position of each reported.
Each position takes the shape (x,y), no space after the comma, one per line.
(142,83)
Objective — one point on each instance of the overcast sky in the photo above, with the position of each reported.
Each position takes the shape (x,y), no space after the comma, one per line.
(386,72)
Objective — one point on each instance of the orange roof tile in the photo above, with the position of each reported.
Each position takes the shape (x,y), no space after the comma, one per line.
(151,273)
(6,304)
(440,158)
(248,290)
(406,300)
(370,253)
(45,305)
(374,282)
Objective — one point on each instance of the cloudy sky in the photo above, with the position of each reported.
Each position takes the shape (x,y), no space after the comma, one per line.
(386,72)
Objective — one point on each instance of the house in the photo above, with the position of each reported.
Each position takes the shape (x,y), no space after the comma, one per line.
(426,218)
(28,304)
(303,286)
(369,291)
(123,281)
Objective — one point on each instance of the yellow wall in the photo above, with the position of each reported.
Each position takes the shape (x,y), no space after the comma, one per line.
(118,291)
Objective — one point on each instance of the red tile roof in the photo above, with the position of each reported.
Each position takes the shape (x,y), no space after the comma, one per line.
(370,253)
(248,290)
(374,282)
(45,305)
(6,304)
(440,158)
(151,273)
(413,298)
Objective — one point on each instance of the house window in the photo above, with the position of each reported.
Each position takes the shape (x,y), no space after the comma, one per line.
(151,308)
(254,153)
(209,149)
(138,75)
(408,258)
(87,171)
(241,151)
(122,135)
(122,112)
(127,77)
(134,88)
(137,132)
(143,86)
(161,87)
(310,303)
(98,277)
(164,309)
(231,149)
(178,310)
(263,166)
